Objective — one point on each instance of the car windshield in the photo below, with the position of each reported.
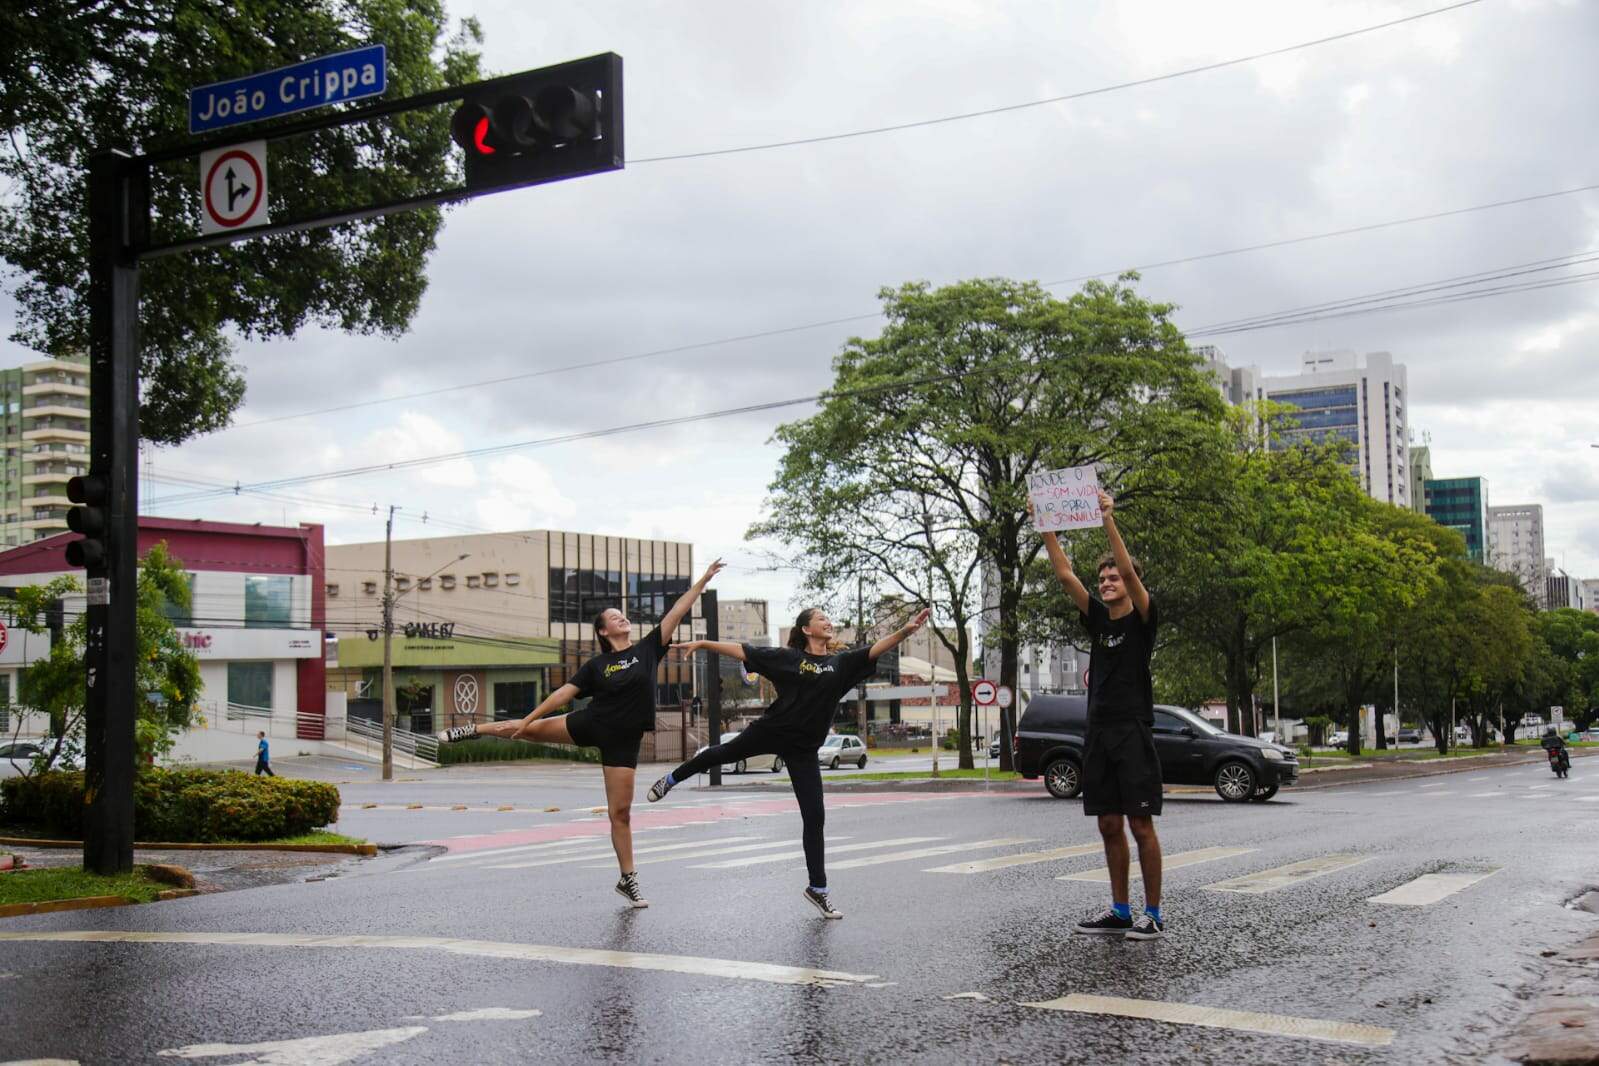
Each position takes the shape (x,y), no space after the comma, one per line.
(833,742)
(1190,718)
(726,737)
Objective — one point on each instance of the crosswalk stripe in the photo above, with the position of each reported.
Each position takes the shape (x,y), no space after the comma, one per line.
(564,842)
(925,853)
(1169,862)
(708,852)
(1219,1018)
(728,864)
(1286,876)
(1430,888)
(1021,858)
(601,854)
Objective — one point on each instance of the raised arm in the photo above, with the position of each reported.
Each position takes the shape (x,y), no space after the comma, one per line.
(719,647)
(553,702)
(1063,568)
(896,638)
(1124,558)
(685,602)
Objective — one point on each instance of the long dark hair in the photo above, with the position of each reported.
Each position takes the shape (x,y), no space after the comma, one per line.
(599,624)
(796,636)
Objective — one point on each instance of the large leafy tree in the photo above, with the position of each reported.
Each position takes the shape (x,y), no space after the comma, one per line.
(83,75)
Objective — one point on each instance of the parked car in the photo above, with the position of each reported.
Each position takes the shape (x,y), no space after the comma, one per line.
(1050,736)
(16,758)
(842,748)
(993,747)
(1339,738)
(1410,736)
(754,762)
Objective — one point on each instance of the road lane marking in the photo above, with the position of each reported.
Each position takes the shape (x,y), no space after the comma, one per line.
(1536,796)
(1485,795)
(585,856)
(1588,799)
(1294,873)
(1430,888)
(567,842)
(1396,792)
(737,969)
(1435,784)
(1219,1018)
(1435,795)
(1169,862)
(1535,788)
(327,1050)
(1021,858)
(708,852)
(728,864)
(927,853)
(490,1014)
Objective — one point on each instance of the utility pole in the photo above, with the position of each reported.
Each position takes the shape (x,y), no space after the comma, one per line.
(1276,704)
(861,635)
(388,647)
(713,682)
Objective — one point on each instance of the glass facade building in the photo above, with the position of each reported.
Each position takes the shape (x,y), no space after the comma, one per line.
(1461,504)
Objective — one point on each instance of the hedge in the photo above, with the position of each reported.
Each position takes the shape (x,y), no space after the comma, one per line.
(498,749)
(179,806)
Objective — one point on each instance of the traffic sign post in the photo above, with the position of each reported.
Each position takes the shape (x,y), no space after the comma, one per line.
(985,693)
(233,187)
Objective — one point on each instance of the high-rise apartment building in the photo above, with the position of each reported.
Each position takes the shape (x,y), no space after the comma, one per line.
(1420,474)
(1361,400)
(1564,590)
(1461,504)
(1515,545)
(44,426)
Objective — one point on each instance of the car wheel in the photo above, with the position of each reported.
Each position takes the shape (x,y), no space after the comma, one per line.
(1235,782)
(834,764)
(741,767)
(1264,794)
(1063,778)
(777,765)
(862,764)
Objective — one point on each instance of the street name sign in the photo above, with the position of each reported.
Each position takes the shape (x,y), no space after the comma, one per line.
(352,75)
(233,187)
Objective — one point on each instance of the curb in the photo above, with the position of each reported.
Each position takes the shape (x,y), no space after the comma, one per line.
(367,850)
(88,903)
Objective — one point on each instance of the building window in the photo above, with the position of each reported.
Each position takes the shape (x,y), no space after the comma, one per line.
(332,591)
(180,616)
(473,581)
(513,579)
(369,587)
(514,699)
(491,579)
(250,685)
(425,585)
(267,601)
(402,584)
(447,582)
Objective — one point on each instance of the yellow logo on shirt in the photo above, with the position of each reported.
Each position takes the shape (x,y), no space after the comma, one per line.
(813,668)
(615,667)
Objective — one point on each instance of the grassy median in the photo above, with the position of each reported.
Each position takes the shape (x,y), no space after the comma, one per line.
(48,883)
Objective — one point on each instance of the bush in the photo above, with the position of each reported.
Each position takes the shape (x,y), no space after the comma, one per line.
(498,749)
(179,806)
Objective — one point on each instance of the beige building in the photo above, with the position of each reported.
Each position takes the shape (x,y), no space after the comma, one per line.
(744,621)
(44,427)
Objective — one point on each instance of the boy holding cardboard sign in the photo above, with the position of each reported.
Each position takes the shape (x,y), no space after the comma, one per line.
(1121,770)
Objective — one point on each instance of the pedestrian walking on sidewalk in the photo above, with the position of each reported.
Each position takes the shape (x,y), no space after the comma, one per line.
(1121,770)
(263,756)
(810,679)
(620,686)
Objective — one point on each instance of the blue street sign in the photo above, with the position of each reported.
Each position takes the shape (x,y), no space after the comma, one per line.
(331,79)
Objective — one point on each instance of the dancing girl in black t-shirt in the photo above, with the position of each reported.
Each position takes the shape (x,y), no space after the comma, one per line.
(620,684)
(809,680)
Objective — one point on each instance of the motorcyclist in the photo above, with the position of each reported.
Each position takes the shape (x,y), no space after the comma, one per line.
(1553,742)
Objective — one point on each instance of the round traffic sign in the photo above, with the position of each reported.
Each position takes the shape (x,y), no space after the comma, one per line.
(984,693)
(233,188)
(4,636)
(1004,697)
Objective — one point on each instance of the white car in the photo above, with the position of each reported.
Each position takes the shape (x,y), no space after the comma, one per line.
(842,748)
(1339,738)
(754,762)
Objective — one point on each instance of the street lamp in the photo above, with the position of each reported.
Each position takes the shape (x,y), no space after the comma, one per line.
(389,596)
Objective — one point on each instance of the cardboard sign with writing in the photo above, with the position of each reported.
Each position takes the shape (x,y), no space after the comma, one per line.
(1065,499)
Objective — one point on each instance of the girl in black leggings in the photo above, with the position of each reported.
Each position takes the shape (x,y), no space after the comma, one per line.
(809,681)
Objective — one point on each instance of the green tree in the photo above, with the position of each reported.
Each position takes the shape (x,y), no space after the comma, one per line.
(167,677)
(82,75)
(1573,639)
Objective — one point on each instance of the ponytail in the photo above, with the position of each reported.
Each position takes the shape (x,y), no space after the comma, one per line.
(796,636)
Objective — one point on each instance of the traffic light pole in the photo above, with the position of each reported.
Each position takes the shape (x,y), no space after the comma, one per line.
(115,217)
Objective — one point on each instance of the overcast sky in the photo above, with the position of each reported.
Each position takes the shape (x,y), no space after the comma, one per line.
(1486,103)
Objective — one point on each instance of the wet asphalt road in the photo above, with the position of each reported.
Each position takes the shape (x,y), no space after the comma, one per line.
(1444,977)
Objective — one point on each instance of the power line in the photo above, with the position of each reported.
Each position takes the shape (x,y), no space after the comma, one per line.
(1079,95)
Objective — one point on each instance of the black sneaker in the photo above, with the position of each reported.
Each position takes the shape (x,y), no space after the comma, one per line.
(460,732)
(1146,927)
(1106,923)
(627,888)
(820,901)
(659,789)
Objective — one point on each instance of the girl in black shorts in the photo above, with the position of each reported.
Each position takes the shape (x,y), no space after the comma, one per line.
(621,685)
(810,679)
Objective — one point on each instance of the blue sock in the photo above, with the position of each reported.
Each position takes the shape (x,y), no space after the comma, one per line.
(1153,912)
(1122,910)
(819,891)
(670,780)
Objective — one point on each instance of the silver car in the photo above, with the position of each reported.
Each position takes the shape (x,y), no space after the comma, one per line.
(754,762)
(16,759)
(842,748)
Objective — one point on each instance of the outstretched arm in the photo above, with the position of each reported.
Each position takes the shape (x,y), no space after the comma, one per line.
(553,702)
(1063,568)
(685,602)
(718,647)
(896,638)
(1124,558)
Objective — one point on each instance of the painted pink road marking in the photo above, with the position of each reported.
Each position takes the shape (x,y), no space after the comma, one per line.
(644,818)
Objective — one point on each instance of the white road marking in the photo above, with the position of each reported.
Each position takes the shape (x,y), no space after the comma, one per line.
(1588,799)
(1169,862)
(1021,858)
(1434,795)
(490,1014)
(708,852)
(1395,792)
(978,996)
(925,853)
(1286,876)
(771,973)
(306,1051)
(487,853)
(1218,1018)
(1537,796)
(41,1062)
(728,864)
(585,856)
(1435,784)
(1430,888)
(1486,795)
(1534,788)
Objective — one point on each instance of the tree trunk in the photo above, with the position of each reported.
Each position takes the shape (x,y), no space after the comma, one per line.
(963,680)
(1009,596)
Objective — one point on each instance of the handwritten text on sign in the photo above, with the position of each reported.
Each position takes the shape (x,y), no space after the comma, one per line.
(1065,499)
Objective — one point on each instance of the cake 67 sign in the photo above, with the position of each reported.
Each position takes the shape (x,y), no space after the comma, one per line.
(233,187)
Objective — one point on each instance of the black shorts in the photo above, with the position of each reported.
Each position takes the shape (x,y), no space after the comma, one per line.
(618,744)
(1121,771)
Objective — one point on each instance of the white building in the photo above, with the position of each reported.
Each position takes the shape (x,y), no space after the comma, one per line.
(1564,590)
(1364,401)
(1515,545)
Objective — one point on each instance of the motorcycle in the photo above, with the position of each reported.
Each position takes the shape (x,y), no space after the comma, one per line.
(1559,761)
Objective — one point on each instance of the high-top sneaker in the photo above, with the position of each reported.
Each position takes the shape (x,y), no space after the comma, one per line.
(460,732)
(628,889)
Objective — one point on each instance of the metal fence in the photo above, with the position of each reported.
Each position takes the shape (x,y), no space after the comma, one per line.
(369,736)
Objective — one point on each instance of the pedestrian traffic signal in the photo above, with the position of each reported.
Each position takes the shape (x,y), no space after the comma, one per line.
(542,125)
(89,520)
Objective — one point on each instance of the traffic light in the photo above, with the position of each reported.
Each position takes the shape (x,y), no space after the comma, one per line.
(90,520)
(542,125)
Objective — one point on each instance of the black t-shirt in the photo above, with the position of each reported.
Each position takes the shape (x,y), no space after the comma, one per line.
(809,688)
(622,684)
(1120,687)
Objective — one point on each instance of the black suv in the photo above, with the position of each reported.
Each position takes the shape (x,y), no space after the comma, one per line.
(1049,743)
